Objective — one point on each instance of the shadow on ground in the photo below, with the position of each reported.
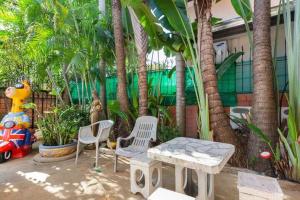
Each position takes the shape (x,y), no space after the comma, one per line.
(25,179)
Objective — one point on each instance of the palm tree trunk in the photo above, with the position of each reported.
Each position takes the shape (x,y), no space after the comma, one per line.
(219,122)
(120,55)
(264,99)
(66,80)
(102,66)
(180,93)
(141,43)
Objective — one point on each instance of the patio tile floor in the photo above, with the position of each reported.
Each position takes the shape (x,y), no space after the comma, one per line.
(24,179)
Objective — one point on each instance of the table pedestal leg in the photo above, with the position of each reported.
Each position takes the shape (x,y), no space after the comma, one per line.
(179,179)
(205,186)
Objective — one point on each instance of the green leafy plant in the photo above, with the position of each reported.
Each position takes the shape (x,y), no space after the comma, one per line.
(60,126)
(115,113)
(166,133)
(227,63)
(260,134)
(291,140)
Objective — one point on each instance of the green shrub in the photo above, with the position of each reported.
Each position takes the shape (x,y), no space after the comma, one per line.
(166,133)
(60,126)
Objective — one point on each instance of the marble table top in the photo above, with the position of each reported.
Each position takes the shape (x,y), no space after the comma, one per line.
(207,156)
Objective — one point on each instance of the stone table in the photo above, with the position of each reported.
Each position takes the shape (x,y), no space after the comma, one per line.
(205,157)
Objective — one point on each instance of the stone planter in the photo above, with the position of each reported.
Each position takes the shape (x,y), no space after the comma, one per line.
(57,151)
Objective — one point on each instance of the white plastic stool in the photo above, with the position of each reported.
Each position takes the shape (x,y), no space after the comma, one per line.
(147,167)
(164,194)
(256,187)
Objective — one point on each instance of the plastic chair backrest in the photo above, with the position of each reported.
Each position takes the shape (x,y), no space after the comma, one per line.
(104,129)
(144,131)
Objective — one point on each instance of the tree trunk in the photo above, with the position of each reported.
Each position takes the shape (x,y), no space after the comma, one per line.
(68,96)
(120,55)
(219,122)
(102,66)
(264,110)
(180,93)
(141,43)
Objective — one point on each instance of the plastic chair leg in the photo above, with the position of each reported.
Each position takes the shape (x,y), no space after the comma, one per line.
(97,151)
(116,163)
(77,151)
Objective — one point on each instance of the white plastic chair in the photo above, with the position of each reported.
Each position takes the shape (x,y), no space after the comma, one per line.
(86,136)
(142,134)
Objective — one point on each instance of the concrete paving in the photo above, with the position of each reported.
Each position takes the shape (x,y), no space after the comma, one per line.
(23,179)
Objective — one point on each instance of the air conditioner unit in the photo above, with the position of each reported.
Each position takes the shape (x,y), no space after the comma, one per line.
(240,112)
(284,113)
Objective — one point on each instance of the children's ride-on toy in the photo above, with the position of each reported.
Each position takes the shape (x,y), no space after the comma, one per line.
(15,138)
(15,142)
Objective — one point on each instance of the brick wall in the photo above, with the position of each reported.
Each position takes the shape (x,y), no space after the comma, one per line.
(191,119)
(42,99)
(192,112)
(246,99)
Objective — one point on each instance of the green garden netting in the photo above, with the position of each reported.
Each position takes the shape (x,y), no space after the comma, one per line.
(163,83)
(244,77)
(236,80)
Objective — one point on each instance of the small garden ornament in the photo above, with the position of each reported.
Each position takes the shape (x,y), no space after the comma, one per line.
(95,111)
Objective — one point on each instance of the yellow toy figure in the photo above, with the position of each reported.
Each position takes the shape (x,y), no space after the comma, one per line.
(15,138)
(18,94)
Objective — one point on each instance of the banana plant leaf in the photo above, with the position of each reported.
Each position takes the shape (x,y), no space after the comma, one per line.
(245,10)
(160,15)
(158,37)
(175,12)
(227,63)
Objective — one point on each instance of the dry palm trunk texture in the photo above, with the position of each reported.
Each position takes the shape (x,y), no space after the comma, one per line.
(180,93)
(219,121)
(141,43)
(102,65)
(264,110)
(120,55)
(65,77)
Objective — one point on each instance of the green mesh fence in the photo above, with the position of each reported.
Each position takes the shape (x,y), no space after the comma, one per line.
(227,87)
(244,76)
(237,79)
(163,83)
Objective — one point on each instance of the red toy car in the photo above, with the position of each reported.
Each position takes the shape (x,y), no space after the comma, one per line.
(15,141)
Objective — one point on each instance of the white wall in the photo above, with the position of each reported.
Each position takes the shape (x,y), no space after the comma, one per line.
(223,9)
(239,40)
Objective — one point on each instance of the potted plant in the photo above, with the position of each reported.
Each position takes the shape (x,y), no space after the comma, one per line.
(59,129)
